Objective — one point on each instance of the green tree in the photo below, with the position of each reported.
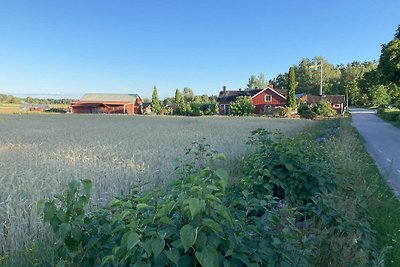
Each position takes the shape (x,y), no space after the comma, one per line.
(379,95)
(257,82)
(178,96)
(389,60)
(242,106)
(188,94)
(291,99)
(155,103)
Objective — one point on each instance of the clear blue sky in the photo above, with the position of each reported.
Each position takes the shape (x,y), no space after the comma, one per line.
(72,47)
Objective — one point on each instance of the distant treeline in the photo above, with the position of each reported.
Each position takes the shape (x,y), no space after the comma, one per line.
(9,99)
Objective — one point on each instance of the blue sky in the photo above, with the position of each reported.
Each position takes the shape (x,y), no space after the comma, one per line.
(67,48)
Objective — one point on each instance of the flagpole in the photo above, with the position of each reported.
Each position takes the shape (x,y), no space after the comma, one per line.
(320,85)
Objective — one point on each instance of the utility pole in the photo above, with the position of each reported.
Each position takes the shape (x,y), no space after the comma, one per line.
(320,85)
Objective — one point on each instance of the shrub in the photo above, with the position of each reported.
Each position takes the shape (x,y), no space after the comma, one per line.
(308,114)
(294,169)
(324,108)
(242,106)
(194,223)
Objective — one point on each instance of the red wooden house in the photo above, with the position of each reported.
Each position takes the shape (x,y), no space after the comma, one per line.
(108,103)
(337,101)
(262,99)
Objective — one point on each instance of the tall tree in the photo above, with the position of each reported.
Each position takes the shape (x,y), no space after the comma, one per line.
(178,96)
(155,103)
(291,99)
(257,82)
(389,61)
(188,94)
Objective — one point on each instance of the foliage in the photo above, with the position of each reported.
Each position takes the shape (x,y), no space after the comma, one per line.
(390,115)
(242,106)
(155,103)
(379,96)
(294,169)
(291,99)
(194,223)
(389,60)
(257,82)
(324,108)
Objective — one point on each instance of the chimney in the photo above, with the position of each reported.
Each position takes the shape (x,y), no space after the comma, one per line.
(224,88)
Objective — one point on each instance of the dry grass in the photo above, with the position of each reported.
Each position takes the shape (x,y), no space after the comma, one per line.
(40,154)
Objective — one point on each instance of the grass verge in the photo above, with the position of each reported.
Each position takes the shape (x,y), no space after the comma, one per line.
(356,168)
(390,115)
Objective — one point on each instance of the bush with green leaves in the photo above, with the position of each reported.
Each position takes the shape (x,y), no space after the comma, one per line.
(294,169)
(200,220)
(324,108)
(242,106)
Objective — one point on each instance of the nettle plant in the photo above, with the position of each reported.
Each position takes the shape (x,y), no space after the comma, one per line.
(198,221)
(294,170)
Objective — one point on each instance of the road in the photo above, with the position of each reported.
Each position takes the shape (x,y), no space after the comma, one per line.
(382,141)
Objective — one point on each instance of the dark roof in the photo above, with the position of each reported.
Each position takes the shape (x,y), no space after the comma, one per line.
(283,92)
(110,97)
(229,96)
(333,99)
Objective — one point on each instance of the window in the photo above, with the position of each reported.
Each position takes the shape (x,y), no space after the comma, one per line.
(267,107)
(268,98)
(222,107)
(336,105)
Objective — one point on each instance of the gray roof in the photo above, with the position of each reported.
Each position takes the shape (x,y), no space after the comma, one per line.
(110,97)
(333,99)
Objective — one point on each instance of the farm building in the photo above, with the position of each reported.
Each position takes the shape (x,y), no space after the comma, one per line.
(337,101)
(108,103)
(262,99)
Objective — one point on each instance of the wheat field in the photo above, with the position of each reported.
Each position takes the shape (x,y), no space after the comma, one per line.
(39,154)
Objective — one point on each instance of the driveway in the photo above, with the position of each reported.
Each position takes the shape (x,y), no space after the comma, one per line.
(382,141)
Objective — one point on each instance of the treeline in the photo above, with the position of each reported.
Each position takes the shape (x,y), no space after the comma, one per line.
(9,99)
(184,103)
(369,83)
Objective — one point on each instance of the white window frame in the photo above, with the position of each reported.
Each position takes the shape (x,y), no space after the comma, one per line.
(270,98)
(336,105)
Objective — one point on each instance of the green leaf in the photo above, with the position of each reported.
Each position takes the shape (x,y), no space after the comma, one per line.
(221,156)
(212,225)
(224,177)
(173,255)
(64,230)
(208,257)
(213,198)
(124,214)
(196,206)
(188,236)
(141,206)
(107,259)
(132,240)
(87,186)
(157,245)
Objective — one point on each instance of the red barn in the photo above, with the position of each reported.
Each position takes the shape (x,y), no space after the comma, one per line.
(262,99)
(108,103)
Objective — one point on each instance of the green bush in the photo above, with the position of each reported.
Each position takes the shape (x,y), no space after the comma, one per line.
(194,223)
(242,106)
(324,108)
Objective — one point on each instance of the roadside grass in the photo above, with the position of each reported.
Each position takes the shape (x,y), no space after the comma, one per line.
(391,115)
(356,169)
